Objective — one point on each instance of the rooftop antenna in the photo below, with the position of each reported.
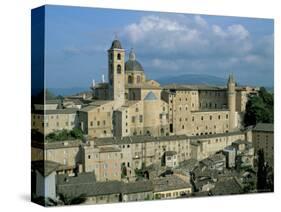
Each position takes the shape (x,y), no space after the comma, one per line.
(93,83)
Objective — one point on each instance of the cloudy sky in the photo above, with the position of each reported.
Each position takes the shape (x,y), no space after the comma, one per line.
(166,44)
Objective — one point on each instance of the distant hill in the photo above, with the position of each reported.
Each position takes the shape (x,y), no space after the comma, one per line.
(192,79)
(68,91)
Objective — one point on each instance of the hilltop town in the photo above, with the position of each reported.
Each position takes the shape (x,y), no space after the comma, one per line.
(133,139)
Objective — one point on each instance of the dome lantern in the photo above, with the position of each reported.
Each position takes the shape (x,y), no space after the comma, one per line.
(132,64)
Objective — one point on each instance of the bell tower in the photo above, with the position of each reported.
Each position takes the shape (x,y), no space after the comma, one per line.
(116,71)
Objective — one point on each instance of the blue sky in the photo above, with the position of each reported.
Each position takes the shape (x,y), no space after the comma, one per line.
(166,44)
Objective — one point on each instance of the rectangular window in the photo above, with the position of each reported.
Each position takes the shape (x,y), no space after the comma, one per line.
(133,119)
(141,118)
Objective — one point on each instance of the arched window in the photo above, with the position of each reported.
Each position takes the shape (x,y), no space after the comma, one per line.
(138,79)
(119,56)
(119,69)
(130,79)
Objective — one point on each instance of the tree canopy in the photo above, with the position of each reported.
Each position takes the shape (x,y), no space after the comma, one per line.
(259,108)
(265,174)
(63,135)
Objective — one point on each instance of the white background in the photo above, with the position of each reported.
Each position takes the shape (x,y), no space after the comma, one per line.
(15,103)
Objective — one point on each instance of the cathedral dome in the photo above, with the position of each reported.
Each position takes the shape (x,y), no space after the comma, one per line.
(132,64)
(116,44)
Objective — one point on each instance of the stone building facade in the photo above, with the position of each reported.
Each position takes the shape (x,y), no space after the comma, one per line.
(48,121)
(263,139)
(107,158)
(103,161)
(146,108)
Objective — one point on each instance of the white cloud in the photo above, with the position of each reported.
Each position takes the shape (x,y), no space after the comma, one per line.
(237,31)
(190,36)
(190,44)
(200,21)
(217,31)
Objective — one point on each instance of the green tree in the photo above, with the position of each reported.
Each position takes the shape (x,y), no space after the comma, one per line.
(262,172)
(76,133)
(62,135)
(259,108)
